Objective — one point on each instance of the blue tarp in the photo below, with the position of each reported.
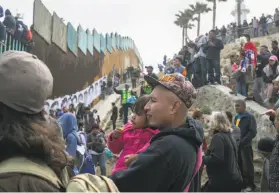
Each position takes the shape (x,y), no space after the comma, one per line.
(96,40)
(72,39)
(89,42)
(82,40)
(102,44)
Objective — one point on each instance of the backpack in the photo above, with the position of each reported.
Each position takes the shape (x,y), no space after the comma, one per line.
(85,164)
(79,183)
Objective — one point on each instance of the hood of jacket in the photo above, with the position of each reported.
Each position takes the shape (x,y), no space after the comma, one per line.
(68,122)
(188,131)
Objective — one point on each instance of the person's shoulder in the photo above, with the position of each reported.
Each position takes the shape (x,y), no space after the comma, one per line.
(32,183)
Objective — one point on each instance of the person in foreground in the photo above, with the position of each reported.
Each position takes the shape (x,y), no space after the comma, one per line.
(221,157)
(26,135)
(168,164)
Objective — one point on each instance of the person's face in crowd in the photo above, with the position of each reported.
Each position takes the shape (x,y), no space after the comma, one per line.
(95,131)
(64,109)
(160,69)
(239,108)
(177,62)
(126,87)
(71,107)
(139,121)
(263,50)
(149,71)
(212,35)
(142,83)
(159,109)
(274,45)
(113,104)
(271,62)
(263,15)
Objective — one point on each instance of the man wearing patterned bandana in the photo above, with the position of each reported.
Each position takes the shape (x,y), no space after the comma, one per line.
(170,162)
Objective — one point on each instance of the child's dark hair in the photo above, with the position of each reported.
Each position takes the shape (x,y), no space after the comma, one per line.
(138,107)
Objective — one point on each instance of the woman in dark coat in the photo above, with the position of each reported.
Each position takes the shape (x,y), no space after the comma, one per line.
(221,158)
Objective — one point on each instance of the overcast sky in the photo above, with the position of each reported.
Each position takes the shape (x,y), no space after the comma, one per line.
(150,23)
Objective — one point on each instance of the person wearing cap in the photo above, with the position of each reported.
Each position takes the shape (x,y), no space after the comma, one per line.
(275,49)
(270,72)
(147,87)
(168,164)
(125,93)
(27,135)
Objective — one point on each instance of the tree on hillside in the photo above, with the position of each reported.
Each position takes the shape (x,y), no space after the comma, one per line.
(183,20)
(198,9)
(214,10)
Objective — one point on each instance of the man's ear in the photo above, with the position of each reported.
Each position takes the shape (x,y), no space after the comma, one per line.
(176,106)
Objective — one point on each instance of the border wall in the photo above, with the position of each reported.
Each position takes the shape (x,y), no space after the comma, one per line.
(77,56)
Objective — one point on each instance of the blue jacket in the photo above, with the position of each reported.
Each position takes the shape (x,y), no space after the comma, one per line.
(68,122)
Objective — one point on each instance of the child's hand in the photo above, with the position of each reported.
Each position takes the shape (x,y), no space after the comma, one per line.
(130,158)
(116,133)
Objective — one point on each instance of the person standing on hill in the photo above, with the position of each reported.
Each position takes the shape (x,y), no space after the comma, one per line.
(125,93)
(263,22)
(214,47)
(251,53)
(255,24)
(248,128)
(147,88)
(114,115)
(179,68)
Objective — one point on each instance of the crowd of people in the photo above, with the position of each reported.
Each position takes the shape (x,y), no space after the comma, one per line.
(159,149)
(252,73)
(16,30)
(232,31)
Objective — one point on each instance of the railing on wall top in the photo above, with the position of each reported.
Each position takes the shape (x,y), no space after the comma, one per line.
(11,44)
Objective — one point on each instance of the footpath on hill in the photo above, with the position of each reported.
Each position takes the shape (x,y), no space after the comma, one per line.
(104,107)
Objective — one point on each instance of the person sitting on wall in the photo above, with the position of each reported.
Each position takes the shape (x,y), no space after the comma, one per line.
(9,22)
(2,27)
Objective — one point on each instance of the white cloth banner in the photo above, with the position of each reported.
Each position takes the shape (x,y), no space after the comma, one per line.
(85,96)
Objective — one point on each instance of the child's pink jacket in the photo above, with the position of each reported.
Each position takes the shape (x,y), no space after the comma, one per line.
(132,141)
